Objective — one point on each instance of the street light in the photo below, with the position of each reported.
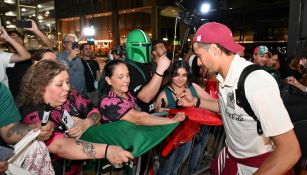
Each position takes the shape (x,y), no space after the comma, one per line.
(89,31)
(205,7)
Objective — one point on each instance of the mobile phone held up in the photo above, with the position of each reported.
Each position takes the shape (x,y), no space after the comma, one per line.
(23,24)
(75,45)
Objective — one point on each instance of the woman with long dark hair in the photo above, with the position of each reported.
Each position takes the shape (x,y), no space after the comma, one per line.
(117,103)
(179,83)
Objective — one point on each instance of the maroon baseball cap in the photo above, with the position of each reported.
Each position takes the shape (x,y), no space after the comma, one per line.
(217,33)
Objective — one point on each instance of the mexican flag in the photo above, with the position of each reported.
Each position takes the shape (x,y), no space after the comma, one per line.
(135,138)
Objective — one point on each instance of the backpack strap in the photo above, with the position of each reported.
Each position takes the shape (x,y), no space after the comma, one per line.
(133,64)
(240,94)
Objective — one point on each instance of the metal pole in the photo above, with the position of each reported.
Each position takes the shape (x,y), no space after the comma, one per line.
(18,13)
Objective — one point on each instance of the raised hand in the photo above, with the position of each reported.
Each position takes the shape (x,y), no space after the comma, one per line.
(3,34)
(163,64)
(34,27)
(186,99)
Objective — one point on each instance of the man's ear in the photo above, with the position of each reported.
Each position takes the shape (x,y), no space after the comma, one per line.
(108,80)
(215,51)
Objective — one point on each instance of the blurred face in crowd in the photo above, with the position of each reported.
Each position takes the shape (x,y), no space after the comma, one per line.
(68,43)
(86,51)
(276,66)
(159,50)
(48,56)
(261,59)
(180,78)
(272,60)
(120,79)
(56,91)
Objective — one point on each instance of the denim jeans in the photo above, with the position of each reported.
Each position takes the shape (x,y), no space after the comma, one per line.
(170,165)
(198,150)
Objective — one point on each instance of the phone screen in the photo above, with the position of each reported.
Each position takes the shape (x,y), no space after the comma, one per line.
(67,120)
(23,24)
(74,45)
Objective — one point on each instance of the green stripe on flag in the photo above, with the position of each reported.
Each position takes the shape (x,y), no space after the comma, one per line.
(128,135)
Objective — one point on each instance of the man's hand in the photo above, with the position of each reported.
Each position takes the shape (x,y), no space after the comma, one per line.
(73,54)
(46,131)
(3,166)
(179,117)
(3,34)
(162,64)
(34,27)
(117,155)
(80,126)
(293,81)
(186,100)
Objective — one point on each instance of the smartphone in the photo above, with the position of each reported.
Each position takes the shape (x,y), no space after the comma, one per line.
(6,153)
(23,24)
(67,120)
(75,45)
(46,115)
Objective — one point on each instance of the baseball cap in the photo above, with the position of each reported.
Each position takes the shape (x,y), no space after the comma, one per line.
(217,33)
(260,50)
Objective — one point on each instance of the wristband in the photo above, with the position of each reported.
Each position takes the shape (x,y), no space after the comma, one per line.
(105,153)
(306,89)
(198,103)
(158,74)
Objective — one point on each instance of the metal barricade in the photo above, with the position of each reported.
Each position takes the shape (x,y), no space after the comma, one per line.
(216,141)
(205,145)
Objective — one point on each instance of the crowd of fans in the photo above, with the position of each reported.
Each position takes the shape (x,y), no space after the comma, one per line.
(138,80)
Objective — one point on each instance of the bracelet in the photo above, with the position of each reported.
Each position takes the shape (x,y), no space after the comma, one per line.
(158,74)
(105,153)
(198,103)
(306,89)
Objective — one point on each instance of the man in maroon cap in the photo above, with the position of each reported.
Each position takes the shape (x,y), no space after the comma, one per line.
(247,152)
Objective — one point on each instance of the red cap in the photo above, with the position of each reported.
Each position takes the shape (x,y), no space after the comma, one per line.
(217,33)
